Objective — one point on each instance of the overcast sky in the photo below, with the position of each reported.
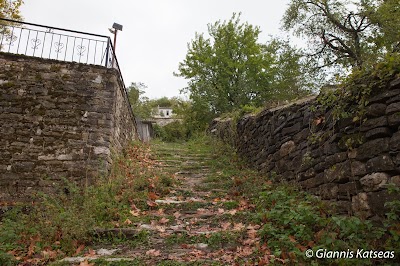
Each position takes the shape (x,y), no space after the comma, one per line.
(155,32)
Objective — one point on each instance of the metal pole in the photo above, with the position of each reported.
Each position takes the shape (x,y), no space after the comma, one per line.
(114,47)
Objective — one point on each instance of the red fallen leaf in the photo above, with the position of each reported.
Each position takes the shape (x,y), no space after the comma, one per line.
(292,239)
(310,244)
(49,254)
(301,248)
(153,253)
(134,208)
(186,246)
(90,253)
(151,185)
(249,242)
(32,245)
(79,249)
(264,261)
(319,234)
(292,256)
(151,203)
(153,196)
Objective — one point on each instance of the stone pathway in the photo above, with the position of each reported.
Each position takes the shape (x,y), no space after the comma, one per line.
(197,223)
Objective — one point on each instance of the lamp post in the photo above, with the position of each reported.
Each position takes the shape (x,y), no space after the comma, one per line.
(115,28)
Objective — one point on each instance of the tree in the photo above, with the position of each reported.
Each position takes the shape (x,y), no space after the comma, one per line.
(232,70)
(345,34)
(228,70)
(140,103)
(10,9)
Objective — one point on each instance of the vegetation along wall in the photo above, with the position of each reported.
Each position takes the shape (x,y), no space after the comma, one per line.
(58,121)
(349,161)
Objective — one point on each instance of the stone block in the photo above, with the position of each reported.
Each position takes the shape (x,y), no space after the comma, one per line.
(395,142)
(287,148)
(343,207)
(393,108)
(381,163)
(338,173)
(347,190)
(394,119)
(376,109)
(312,182)
(335,158)
(373,148)
(358,169)
(374,181)
(289,130)
(380,132)
(302,135)
(328,191)
(377,200)
(372,123)
(382,97)
(306,175)
(360,206)
(395,180)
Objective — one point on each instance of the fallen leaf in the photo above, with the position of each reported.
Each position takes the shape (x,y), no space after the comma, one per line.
(244,251)
(221,211)
(49,254)
(163,220)
(128,222)
(135,213)
(90,253)
(252,233)
(249,241)
(225,226)
(153,196)
(86,263)
(151,203)
(160,229)
(232,212)
(153,253)
(292,239)
(238,227)
(79,249)
(177,215)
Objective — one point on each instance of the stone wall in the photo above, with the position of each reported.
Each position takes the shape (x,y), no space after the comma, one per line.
(59,121)
(341,162)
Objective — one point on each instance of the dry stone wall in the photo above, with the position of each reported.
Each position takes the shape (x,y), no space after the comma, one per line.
(344,162)
(59,121)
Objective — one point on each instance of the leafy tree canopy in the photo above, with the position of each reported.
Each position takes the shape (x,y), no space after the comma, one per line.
(232,69)
(350,34)
(10,9)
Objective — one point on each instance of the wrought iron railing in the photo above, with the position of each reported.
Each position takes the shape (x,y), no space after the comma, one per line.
(60,44)
(55,43)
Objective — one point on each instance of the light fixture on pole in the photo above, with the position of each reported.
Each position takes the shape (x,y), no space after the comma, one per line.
(115,28)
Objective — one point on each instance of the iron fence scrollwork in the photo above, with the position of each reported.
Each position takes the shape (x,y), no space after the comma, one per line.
(55,43)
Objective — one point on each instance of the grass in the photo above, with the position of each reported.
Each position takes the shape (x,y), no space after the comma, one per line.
(291,221)
(60,224)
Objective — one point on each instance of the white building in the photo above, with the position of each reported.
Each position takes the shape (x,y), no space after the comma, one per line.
(163,112)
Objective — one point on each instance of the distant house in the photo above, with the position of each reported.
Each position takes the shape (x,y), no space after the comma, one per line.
(163,112)
(164,115)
